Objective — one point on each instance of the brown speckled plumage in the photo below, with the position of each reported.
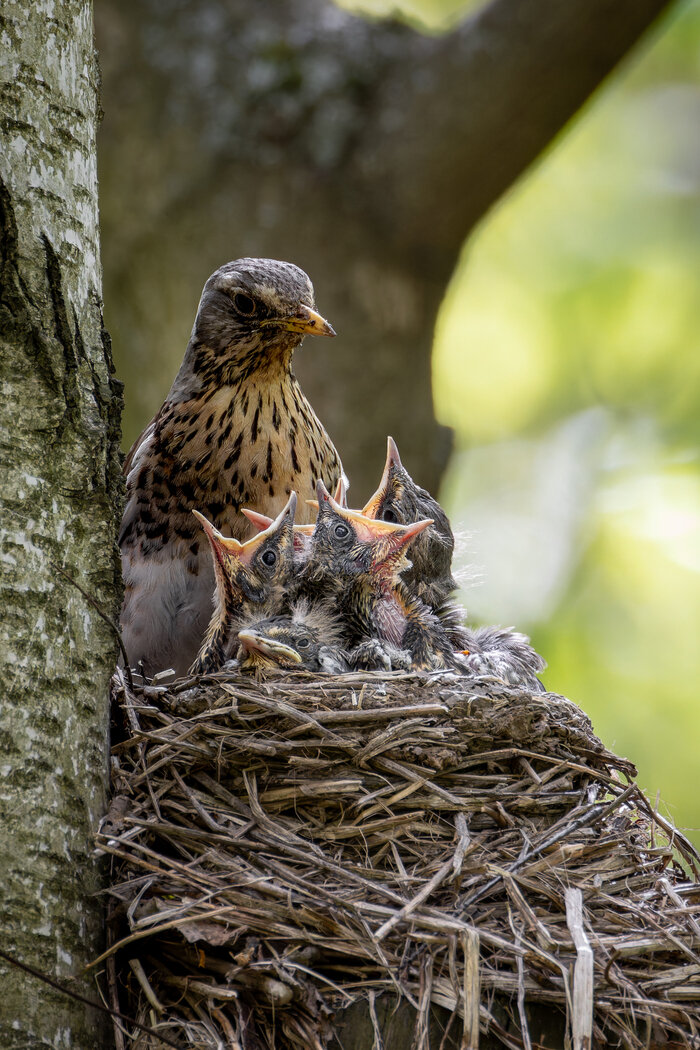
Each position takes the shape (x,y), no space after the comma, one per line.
(235,430)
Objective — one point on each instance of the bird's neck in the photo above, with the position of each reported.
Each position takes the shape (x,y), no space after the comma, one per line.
(198,376)
(204,369)
(216,646)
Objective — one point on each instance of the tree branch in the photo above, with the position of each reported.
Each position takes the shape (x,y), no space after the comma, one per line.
(496,93)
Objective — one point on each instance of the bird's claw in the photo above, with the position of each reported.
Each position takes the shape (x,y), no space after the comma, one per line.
(374,655)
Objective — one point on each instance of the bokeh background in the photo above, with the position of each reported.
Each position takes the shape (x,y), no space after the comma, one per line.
(565,358)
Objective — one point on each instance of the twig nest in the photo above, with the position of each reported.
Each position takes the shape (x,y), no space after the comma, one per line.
(284,848)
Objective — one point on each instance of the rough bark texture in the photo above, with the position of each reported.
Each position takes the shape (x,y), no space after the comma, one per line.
(59,435)
(363,151)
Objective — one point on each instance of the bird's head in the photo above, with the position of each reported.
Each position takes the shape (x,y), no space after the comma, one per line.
(251,316)
(274,643)
(308,639)
(347,544)
(254,570)
(400,499)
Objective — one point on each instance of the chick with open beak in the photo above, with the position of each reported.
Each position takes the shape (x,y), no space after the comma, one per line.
(399,499)
(251,578)
(503,653)
(356,561)
(302,533)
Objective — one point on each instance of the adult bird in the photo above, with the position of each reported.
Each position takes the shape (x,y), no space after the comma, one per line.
(251,580)
(235,430)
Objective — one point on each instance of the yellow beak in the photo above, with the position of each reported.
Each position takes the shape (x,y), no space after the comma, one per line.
(254,642)
(393,460)
(305,321)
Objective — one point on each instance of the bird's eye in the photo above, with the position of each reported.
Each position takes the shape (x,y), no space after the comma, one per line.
(303,643)
(244,304)
(341,531)
(389,515)
(269,557)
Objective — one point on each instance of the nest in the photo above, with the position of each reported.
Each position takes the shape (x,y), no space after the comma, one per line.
(285,848)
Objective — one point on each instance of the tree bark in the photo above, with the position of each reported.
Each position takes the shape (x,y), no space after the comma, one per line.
(363,151)
(59,439)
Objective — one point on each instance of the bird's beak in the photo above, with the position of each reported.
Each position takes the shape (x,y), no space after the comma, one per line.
(393,461)
(340,495)
(258,643)
(211,530)
(306,322)
(395,537)
(389,547)
(261,521)
(246,551)
(219,543)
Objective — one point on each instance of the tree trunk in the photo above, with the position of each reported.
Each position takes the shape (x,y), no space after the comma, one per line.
(363,151)
(61,490)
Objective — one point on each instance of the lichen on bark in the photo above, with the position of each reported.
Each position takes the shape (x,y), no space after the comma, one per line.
(59,439)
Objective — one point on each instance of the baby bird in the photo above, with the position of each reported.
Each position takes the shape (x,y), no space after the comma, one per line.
(251,580)
(400,499)
(356,562)
(491,650)
(504,654)
(234,430)
(302,533)
(308,639)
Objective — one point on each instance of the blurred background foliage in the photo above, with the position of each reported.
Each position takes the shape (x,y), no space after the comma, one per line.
(566,360)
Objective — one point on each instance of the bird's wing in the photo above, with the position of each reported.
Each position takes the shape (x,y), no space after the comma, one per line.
(332,660)
(138,451)
(142,440)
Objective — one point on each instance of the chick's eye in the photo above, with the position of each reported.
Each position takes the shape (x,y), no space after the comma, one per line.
(341,531)
(303,643)
(269,557)
(244,304)
(389,515)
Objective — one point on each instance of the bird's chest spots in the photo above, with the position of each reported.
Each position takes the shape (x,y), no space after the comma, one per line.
(240,446)
(269,442)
